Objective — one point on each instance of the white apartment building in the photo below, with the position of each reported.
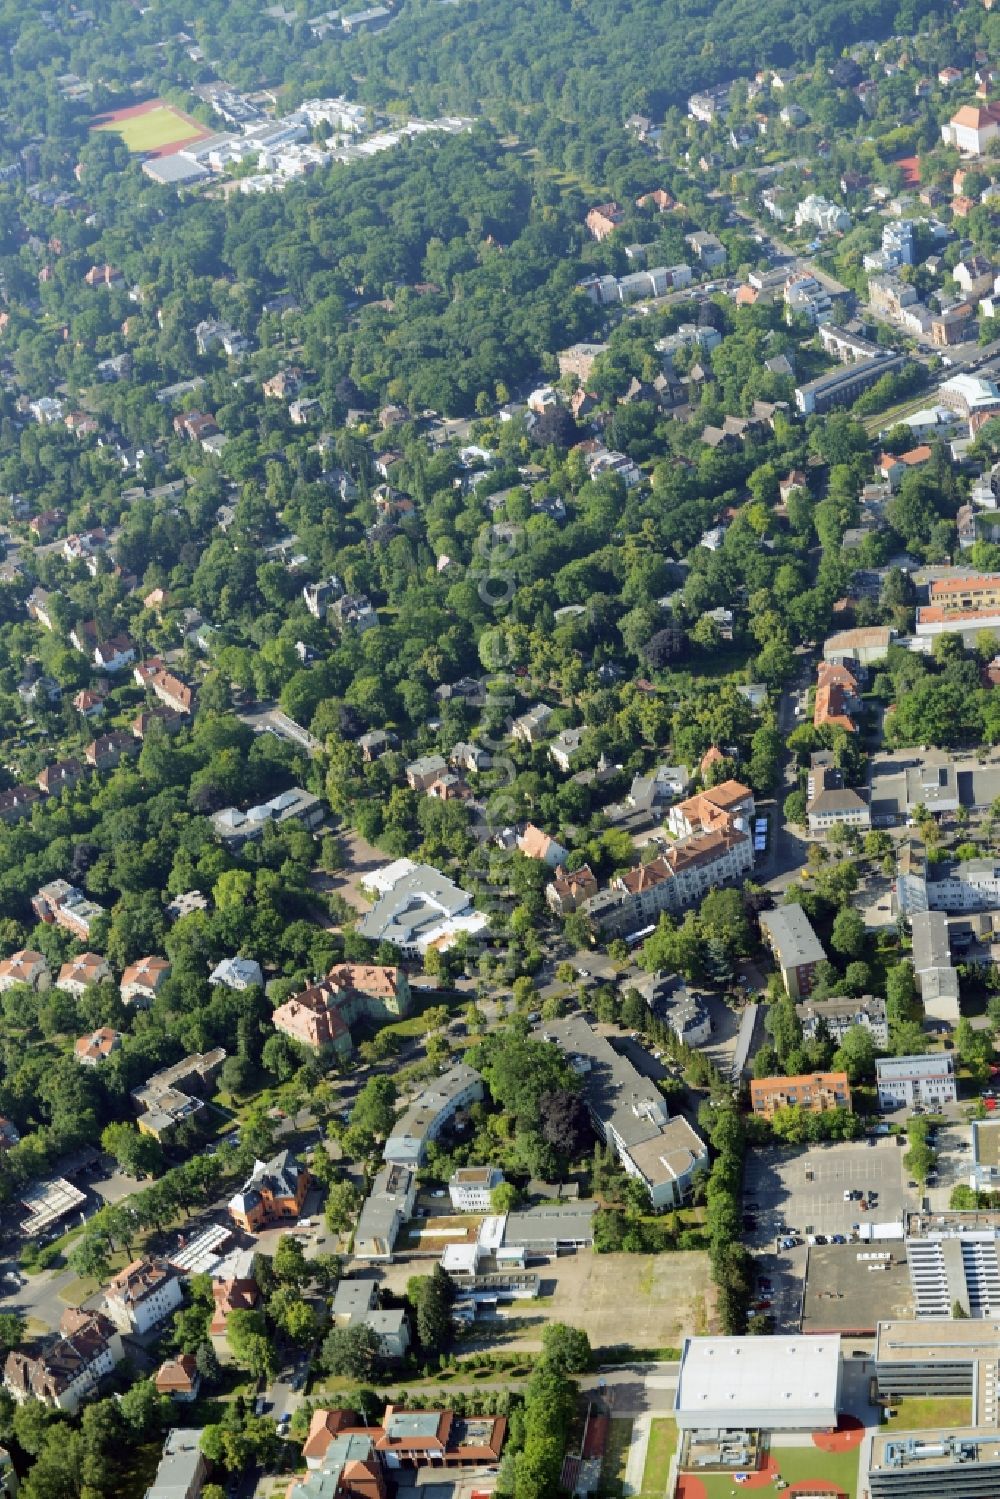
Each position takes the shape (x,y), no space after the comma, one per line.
(819,213)
(808,298)
(141,1295)
(904,1081)
(428,1115)
(470,1188)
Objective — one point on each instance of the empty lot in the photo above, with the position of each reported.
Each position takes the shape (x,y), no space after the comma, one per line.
(641,1300)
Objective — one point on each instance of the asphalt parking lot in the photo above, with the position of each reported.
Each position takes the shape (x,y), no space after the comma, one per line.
(801,1188)
(954,1164)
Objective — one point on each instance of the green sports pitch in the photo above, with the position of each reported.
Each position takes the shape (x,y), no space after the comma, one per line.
(152,129)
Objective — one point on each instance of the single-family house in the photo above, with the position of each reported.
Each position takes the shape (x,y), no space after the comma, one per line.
(93,1049)
(76,975)
(143,980)
(25,967)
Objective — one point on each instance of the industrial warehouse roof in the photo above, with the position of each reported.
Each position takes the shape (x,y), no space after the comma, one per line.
(773,1376)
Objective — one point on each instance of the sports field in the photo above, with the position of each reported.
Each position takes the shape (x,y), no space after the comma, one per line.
(153,128)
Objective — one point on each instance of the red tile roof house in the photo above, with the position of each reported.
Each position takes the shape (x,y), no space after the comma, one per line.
(604,220)
(179,1378)
(239,1294)
(321,1016)
(313,1019)
(142,1295)
(62,776)
(168,719)
(25,967)
(16,805)
(80,972)
(69,1369)
(436,1438)
(535,844)
(114,654)
(108,750)
(92,1050)
(142,981)
(171,691)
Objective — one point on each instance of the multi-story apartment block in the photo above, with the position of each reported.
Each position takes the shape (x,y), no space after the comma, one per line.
(71,1368)
(142,1295)
(904,1081)
(470,1188)
(430,1113)
(795,945)
(61,903)
(839,1015)
(816,1092)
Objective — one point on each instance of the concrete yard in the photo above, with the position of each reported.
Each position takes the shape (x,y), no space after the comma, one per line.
(802,1187)
(640,1300)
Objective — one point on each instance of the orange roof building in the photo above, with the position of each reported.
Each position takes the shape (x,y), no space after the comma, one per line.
(831,709)
(178,1377)
(710,808)
(321,1016)
(816,1092)
(92,1050)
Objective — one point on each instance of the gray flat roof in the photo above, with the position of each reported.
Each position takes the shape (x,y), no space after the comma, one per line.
(973,1338)
(739,1374)
(931,948)
(932,1064)
(562,1222)
(847,374)
(847,1290)
(792,936)
(174,170)
(615,1091)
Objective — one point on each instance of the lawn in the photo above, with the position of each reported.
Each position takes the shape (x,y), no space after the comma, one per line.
(662,1441)
(797,1465)
(616,1456)
(154,129)
(923,1414)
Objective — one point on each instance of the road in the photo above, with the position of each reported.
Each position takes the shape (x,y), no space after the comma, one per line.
(267,718)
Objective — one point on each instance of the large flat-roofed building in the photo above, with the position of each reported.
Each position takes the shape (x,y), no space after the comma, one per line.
(795,945)
(954,1265)
(770,1384)
(946,1357)
(631,1114)
(842,386)
(936,1464)
(418,907)
(904,1081)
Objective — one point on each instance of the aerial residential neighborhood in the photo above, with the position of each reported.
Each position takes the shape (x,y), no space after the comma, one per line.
(499,751)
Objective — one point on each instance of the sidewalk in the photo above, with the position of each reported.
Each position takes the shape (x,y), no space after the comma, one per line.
(636,1461)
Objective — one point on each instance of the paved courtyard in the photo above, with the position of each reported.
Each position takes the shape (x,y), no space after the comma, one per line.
(802,1187)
